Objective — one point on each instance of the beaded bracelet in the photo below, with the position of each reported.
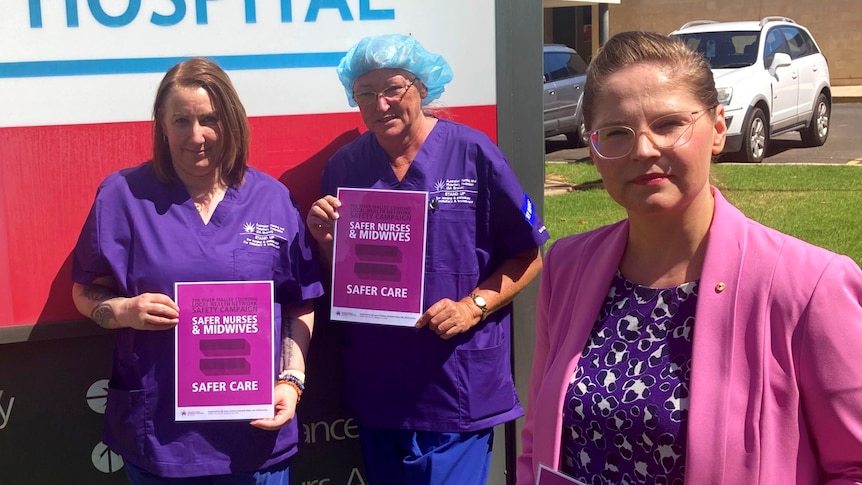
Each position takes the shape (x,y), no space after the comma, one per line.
(293,372)
(293,382)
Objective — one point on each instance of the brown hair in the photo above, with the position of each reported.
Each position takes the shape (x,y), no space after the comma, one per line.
(199,72)
(626,49)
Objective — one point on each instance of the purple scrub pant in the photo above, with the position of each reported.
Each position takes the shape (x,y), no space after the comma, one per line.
(425,457)
(139,476)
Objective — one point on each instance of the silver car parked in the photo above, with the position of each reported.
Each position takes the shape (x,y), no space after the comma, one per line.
(565,74)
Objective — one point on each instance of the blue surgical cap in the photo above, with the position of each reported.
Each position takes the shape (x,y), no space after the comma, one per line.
(394,51)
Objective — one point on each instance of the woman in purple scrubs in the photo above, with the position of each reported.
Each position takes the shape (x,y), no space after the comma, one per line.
(427,398)
(195,212)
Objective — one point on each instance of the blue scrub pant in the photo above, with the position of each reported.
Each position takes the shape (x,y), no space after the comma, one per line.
(139,476)
(406,457)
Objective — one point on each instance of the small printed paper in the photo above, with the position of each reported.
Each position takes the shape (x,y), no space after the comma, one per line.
(549,476)
(224,351)
(378,268)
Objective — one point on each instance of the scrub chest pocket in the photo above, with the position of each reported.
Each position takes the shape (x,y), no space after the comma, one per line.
(254,264)
(452,242)
(452,270)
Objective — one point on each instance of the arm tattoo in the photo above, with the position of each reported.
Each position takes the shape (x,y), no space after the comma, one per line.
(287,344)
(102,315)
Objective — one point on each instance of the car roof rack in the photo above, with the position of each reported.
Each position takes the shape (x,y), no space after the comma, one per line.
(775,18)
(697,22)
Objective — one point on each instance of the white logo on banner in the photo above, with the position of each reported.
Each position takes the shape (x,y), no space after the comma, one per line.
(97,396)
(105,460)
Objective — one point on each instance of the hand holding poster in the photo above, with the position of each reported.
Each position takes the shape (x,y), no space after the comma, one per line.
(224,351)
(378,267)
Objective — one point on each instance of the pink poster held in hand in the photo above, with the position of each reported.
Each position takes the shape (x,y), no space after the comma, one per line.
(378,267)
(224,351)
(549,476)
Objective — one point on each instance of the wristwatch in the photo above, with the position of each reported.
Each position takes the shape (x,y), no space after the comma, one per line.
(480,302)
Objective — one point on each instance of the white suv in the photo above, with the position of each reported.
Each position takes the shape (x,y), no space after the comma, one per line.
(771,77)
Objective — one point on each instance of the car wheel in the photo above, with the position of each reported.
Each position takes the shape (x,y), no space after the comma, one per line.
(755,135)
(818,128)
(579,138)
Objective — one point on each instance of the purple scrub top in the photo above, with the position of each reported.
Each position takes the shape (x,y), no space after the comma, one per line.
(148,235)
(408,378)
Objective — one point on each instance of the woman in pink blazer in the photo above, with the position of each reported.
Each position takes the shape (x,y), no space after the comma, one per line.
(687,343)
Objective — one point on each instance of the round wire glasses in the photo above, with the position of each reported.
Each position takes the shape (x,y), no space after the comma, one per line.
(668,131)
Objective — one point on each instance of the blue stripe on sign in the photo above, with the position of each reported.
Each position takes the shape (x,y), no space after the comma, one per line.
(95,67)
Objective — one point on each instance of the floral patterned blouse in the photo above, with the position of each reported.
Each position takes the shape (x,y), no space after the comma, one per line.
(625,412)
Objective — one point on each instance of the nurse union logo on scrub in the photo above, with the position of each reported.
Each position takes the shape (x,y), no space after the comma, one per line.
(455,191)
(262,235)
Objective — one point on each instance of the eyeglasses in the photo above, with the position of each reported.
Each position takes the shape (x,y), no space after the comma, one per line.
(392,93)
(669,131)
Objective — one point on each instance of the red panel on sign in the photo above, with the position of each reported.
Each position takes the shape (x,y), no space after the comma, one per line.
(49,176)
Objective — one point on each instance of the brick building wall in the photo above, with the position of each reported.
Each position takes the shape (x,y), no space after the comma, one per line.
(835,24)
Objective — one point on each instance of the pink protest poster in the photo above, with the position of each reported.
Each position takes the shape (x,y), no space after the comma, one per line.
(224,351)
(549,476)
(378,268)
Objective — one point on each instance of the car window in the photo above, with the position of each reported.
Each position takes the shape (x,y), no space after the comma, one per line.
(774,44)
(725,50)
(562,65)
(798,41)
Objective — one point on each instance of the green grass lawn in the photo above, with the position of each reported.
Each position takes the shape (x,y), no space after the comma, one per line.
(818,203)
